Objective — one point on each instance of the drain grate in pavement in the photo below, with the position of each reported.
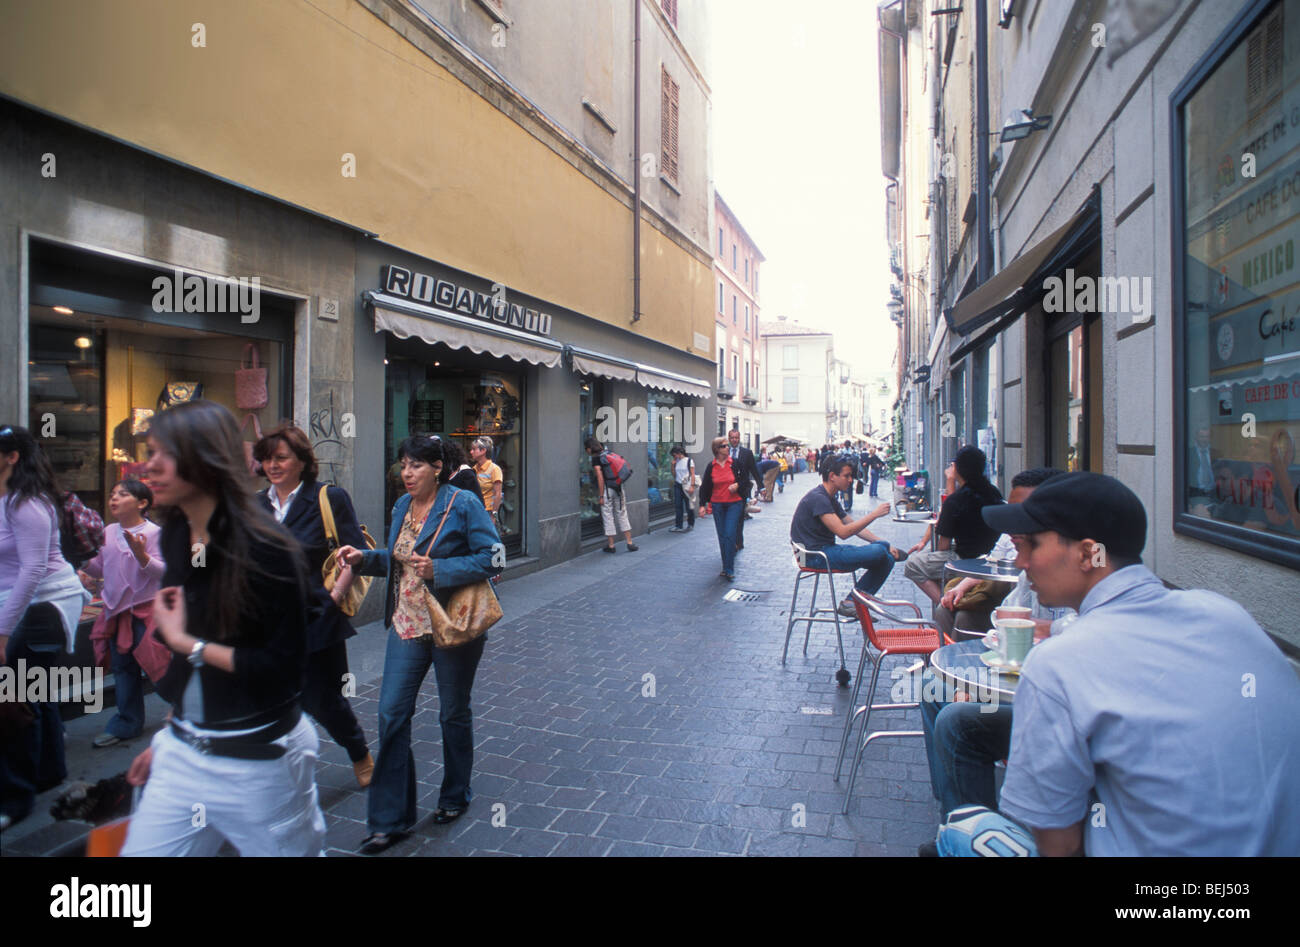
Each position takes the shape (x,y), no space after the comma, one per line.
(817,711)
(742,595)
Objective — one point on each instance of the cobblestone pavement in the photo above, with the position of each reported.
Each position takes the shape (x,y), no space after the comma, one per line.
(729,754)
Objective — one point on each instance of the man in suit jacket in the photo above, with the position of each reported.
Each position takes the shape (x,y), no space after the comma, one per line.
(744,457)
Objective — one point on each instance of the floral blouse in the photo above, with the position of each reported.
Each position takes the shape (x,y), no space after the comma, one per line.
(411,616)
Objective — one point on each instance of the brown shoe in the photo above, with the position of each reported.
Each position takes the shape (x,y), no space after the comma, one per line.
(365,769)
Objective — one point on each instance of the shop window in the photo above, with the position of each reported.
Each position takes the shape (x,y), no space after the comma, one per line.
(100,379)
(1236,332)
(666,423)
(592,392)
(426,396)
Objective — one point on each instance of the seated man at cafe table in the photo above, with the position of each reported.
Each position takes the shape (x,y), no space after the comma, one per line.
(1163,722)
(819,519)
(965,740)
(962,533)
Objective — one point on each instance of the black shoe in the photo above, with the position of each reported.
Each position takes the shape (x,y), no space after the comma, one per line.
(443,816)
(377,842)
(632,547)
(847,609)
(608,549)
(928,849)
(676,529)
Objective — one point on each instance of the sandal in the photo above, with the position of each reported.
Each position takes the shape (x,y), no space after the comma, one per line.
(377,842)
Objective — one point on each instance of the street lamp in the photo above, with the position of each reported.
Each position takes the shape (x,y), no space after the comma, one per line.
(1015,130)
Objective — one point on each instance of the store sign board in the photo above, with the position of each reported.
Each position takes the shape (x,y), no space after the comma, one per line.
(446,294)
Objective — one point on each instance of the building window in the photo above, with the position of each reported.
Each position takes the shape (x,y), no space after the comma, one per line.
(790,358)
(735,310)
(722,364)
(1236,339)
(721,246)
(668,124)
(733,258)
(670,10)
(721,305)
(746,317)
(790,390)
(746,271)
(735,366)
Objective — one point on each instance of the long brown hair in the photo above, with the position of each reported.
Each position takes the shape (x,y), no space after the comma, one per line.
(205,440)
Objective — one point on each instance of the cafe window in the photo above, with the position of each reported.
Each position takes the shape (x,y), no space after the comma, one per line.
(592,392)
(1236,331)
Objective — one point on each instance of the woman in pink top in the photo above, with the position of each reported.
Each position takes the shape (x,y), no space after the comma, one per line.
(40,602)
(128,570)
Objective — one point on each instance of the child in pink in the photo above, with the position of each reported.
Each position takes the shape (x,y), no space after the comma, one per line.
(128,569)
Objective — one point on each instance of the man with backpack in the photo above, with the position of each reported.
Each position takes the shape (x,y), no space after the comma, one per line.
(611,471)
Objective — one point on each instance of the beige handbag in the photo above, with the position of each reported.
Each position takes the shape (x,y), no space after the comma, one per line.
(331,567)
(470,612)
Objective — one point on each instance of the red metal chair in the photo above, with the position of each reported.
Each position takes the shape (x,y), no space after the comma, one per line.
(902,636)
(811,562)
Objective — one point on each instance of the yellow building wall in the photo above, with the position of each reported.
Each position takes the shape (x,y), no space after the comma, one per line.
(283,89)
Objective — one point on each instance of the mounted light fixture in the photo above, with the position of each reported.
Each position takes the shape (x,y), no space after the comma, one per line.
(82,342)
(1015,130)
(63,310)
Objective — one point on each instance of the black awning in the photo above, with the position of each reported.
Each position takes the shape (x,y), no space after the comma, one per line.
(1019,285)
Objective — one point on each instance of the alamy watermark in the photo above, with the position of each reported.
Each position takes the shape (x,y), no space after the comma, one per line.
(20,683)
(1134,295)
(636,425)
(193,293)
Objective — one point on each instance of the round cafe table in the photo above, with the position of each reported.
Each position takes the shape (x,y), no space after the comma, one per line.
(959,666)
(983,569)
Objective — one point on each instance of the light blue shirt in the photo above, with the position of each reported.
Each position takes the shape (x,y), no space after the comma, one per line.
(1173,711)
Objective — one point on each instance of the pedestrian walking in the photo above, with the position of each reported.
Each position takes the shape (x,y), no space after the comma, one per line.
(440,540)
(613,504)
(299,503)
(683,490)
(875,465)
(724,490)
(463,476)
(237,759)
(127,572)
(40,603)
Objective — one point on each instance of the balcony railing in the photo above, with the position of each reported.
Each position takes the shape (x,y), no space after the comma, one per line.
(727,388)
(751,395)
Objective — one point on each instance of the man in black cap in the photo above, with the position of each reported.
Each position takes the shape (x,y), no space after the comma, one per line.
(1161,722)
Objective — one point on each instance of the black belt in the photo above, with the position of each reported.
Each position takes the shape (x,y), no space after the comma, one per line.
(257,745)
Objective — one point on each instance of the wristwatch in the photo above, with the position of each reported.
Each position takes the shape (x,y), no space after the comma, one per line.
(195,657)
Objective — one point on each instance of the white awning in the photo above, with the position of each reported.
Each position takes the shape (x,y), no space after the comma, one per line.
(671,381)
(406,319)
(593,363)
(1272,370)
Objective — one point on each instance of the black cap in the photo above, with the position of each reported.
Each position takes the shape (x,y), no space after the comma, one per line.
(1078,506)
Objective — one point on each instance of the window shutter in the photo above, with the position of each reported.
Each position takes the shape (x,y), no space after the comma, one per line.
(668,125)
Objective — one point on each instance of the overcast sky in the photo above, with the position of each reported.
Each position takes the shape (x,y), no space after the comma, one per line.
(796,155)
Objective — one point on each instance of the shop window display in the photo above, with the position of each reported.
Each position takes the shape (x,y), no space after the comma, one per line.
(100,380)
(461,404)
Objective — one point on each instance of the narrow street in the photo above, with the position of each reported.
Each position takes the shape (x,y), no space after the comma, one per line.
(714,763)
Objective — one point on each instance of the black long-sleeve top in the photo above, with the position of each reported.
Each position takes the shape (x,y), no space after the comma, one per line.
(271,642)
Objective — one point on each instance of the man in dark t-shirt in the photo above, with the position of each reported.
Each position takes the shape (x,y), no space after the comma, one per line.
(819,519)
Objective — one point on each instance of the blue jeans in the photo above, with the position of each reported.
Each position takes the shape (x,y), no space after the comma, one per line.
(873,557)
(875,482)
(682,505)
(726,520)
(406,662)
(128,688)
(963,742)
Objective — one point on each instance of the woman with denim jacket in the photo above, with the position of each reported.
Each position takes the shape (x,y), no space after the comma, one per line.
(467,550)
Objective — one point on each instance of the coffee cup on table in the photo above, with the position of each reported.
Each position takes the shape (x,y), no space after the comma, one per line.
(1015,638)
(1013,611)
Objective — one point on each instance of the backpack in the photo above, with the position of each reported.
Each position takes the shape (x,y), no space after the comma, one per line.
(620,471)
(81,531)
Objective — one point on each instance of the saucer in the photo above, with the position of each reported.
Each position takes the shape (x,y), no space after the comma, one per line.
(994,660)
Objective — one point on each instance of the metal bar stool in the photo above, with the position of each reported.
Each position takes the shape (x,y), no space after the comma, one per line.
(802,556)
(909,636)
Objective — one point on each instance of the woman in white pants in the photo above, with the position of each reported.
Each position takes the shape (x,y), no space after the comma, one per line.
(237,758)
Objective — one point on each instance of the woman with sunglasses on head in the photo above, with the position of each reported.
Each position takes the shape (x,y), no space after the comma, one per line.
(294,499)
(441,538)
(232,610)
(724,491)
(41,600)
